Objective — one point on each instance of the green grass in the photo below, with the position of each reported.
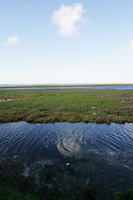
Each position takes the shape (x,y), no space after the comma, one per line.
(8,194)
(73,105)
(126,195)
(45,194)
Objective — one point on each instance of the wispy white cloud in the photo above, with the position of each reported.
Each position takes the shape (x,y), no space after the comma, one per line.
(12,40)
(127,50)
(67,17)
(131,45)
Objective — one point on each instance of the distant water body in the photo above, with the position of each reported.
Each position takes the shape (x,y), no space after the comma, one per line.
(111,87)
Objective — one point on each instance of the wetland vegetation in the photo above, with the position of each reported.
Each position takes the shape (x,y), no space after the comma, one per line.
(72,105)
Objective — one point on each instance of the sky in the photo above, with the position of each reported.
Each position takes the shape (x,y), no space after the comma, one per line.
(66,41)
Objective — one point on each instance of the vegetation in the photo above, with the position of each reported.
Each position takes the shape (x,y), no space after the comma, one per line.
(73,105)
(126,195)
(8,194)
(59,182)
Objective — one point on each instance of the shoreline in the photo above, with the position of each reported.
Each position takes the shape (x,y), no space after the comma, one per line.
(60,85)
(71,122)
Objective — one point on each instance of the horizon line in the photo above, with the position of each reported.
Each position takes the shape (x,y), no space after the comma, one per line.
(62,84)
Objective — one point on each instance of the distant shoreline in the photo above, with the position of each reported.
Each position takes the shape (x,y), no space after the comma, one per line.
(60,85)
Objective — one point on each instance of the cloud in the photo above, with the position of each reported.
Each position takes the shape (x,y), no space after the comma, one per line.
(66,19)
(13,40)
(128,49)
(131,45)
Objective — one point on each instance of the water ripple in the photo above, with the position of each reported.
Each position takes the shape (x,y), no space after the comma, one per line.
(67,139)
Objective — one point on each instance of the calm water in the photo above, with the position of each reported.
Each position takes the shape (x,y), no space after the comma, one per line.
(117,87)
(76,155)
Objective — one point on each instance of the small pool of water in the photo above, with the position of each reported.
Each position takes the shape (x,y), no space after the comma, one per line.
(70,155)
(5,100)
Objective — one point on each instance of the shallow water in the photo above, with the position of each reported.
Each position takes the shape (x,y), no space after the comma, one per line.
(66,139)
(117,87)
(97,156)
(5,100)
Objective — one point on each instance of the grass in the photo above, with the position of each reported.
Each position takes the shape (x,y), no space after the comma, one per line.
(73,105)
(126,195)
(8,194)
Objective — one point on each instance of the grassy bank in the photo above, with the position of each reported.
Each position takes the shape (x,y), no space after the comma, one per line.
(86,105)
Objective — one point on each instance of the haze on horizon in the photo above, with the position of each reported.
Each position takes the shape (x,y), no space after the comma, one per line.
(61,41)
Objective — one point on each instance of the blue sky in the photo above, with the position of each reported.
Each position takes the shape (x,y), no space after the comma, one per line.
(66,41)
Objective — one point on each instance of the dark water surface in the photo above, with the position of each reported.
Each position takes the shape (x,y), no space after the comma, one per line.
(117,87)
(66,139)
(97,156)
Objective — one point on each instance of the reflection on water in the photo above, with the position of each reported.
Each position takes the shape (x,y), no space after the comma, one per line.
(68,147)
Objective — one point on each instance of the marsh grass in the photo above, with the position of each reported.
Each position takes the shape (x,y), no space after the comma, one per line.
(73,105)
